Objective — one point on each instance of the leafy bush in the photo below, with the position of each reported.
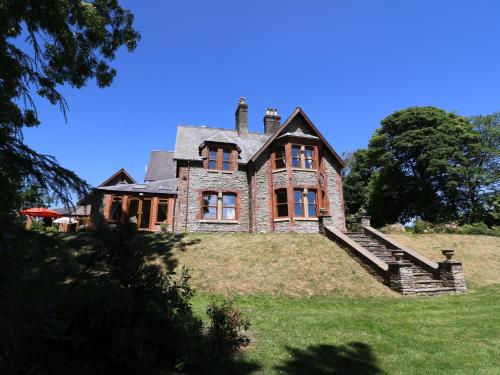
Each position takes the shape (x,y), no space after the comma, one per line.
(228,324)
(52,229)
(453,228)
(38,226)
(479,228)
(164,228)
(422,226)
(393,228)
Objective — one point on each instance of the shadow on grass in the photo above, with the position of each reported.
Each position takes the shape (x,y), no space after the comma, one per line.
(161,246)
(353,358)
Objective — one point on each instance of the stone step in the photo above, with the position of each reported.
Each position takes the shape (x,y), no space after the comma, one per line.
(433,291)
(426,282)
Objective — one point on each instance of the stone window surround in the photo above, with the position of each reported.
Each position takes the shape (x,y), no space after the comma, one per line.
(291,204)
(219,219)
(288,156)
(305,204)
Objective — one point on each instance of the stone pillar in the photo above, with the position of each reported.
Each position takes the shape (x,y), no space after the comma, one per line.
(451,272)
(363,220)
(401,275)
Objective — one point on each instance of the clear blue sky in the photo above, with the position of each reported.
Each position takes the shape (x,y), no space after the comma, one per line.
(348,64)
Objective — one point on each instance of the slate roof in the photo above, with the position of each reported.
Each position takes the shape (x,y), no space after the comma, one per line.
(189,138)
(162,166)
(157,187)
(77,211)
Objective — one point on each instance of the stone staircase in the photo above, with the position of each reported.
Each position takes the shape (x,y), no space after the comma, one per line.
(425,281)
(395,265)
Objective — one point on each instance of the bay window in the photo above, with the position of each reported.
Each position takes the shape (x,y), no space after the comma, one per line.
(281,203)
(305,203)
(280,157)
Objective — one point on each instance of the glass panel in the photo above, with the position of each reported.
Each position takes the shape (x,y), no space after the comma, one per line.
(311,198)
(146,213)
(210,199)
(213,155)
(229,213)
(295,151)
(116,210)
(227,155)
(162,212)
(308,152)
(308,155)
(281,196)
(229,200)
(209,213)
(280,163)
(298,206)
(282,210)
(299,210)
(226,165)
(132,211)
(212,164)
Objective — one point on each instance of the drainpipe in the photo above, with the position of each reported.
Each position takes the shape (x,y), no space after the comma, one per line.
(187,195)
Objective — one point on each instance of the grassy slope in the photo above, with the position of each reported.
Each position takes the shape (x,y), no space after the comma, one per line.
(297,265)
(480,255)
(327,333)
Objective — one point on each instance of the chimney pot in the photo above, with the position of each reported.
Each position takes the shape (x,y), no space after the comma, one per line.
(272,120)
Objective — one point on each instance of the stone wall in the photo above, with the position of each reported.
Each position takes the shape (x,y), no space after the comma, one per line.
(333,182)
(262,196)
(195,179)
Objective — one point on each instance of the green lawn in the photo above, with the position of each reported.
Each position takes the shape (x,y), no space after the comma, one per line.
(293,332)
(457,334)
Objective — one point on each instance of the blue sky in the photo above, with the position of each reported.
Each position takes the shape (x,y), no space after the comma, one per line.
(348,64)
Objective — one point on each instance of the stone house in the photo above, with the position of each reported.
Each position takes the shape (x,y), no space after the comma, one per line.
(284,179)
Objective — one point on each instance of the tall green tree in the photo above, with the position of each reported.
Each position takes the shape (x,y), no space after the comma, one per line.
(45,44)
(483,178)
(427,163)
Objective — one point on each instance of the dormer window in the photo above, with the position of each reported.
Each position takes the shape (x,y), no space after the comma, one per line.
(220,158)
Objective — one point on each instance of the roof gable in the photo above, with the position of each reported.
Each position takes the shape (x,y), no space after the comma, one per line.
(289,123)
(121,175)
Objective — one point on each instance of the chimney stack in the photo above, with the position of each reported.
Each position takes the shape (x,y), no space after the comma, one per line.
(242,118)
(272,120)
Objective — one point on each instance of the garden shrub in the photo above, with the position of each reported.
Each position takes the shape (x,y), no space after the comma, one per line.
(480,228)
(227,326)
(422,226)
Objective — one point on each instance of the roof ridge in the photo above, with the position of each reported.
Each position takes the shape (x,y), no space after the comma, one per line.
(216,128)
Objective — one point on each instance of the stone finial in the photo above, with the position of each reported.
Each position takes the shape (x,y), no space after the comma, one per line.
(448,253)
(398,255)
(242,100)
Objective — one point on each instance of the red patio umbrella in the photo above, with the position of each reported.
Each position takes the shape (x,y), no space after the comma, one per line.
(40,212)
